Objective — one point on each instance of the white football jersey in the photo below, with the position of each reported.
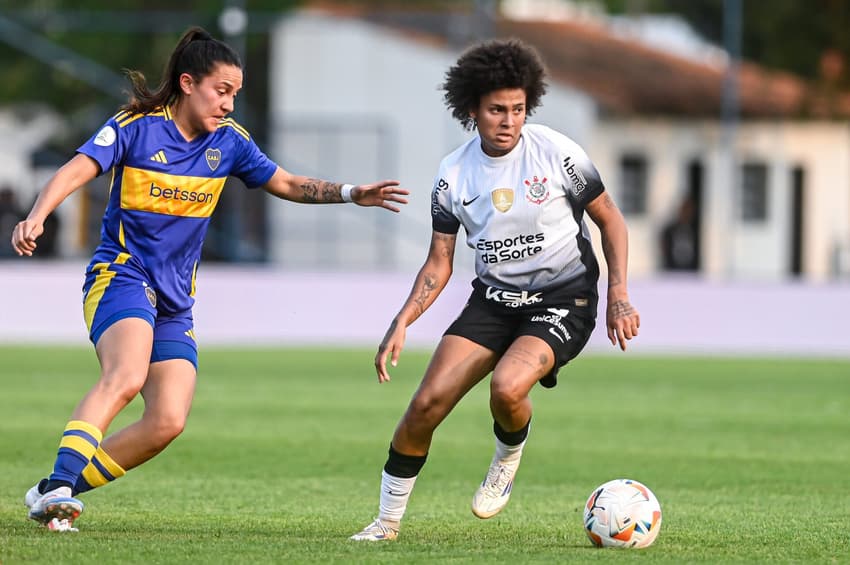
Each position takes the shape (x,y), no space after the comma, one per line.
(522,212)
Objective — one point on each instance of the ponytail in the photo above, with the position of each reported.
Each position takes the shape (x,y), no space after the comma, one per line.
(196,53)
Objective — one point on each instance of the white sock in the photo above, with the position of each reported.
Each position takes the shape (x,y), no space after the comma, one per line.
(507,452)
(395,492)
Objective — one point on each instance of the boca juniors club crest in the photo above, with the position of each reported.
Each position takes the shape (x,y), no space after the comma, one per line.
(150,294)
(536,191)
(213,158)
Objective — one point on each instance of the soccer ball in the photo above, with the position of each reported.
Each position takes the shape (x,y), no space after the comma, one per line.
(622,513)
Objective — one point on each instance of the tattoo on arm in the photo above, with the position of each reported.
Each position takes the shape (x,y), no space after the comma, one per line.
(446,244)
(614,275)
(621,309)
(316,190)
(430,283)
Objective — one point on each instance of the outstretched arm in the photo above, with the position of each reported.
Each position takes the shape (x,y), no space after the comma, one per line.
(430,282)
(308,190)
(71,176)
(622,318)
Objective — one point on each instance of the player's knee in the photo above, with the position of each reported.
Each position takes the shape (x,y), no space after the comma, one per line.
(165,428)
(122,383)
(425,410)
(506,393)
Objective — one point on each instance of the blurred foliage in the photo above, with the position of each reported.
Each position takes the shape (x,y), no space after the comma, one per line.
(140,36)
(790,35)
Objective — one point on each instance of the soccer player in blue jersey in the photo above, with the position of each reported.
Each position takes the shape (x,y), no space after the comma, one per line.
(520,191)
(169,152)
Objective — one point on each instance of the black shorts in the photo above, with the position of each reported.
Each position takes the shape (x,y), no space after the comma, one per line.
(564,320)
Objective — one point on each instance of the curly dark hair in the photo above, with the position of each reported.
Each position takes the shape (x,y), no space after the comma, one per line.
(489,66)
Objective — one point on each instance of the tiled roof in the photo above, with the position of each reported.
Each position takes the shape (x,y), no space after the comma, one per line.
(627,77)
(624,76)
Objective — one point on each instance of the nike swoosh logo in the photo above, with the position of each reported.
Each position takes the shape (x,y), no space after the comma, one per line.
(468,202)
(554,333)
(391,493)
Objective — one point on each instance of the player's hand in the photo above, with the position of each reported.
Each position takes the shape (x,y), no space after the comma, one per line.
(623,321)
(382,194)
(24,236)
(391,347)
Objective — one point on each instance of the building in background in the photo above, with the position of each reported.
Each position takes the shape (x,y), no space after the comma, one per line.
(355,96)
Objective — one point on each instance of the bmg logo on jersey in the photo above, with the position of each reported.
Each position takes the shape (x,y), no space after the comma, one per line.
(435,203)
(178,194)
(576,176)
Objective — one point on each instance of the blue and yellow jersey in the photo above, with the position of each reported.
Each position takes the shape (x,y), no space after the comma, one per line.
(162,193)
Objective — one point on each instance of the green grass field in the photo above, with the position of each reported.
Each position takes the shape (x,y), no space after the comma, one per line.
(281,462)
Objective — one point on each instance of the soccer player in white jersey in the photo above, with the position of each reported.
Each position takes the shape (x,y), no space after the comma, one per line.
(169,152)
(520,192)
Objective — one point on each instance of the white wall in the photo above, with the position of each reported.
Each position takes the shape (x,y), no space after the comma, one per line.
(328,71)
(250,306)
(733,249)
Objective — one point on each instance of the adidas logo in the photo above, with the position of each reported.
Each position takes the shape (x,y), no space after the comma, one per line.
(159,157)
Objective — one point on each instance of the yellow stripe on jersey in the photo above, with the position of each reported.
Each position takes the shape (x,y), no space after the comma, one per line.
(227,122)
(129,119)
(98,288)
(175,195)
(194,274)
(121,238)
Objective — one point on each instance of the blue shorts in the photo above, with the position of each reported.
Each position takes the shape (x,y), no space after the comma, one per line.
(114,291)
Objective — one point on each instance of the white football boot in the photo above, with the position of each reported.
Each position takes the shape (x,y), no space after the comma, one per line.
(56,509)
(495,490)
(33,494)
(376,531)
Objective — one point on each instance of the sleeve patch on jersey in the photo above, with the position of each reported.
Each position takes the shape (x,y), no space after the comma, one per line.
(175,195)
(105,137)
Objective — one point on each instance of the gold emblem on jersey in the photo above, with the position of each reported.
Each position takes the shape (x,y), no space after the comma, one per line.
(213,158)
(503,199)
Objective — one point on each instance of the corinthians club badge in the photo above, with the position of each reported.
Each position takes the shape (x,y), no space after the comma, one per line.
(537,191)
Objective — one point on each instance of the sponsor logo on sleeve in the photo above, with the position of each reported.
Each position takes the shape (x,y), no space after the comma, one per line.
(576,176)
(435,203)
